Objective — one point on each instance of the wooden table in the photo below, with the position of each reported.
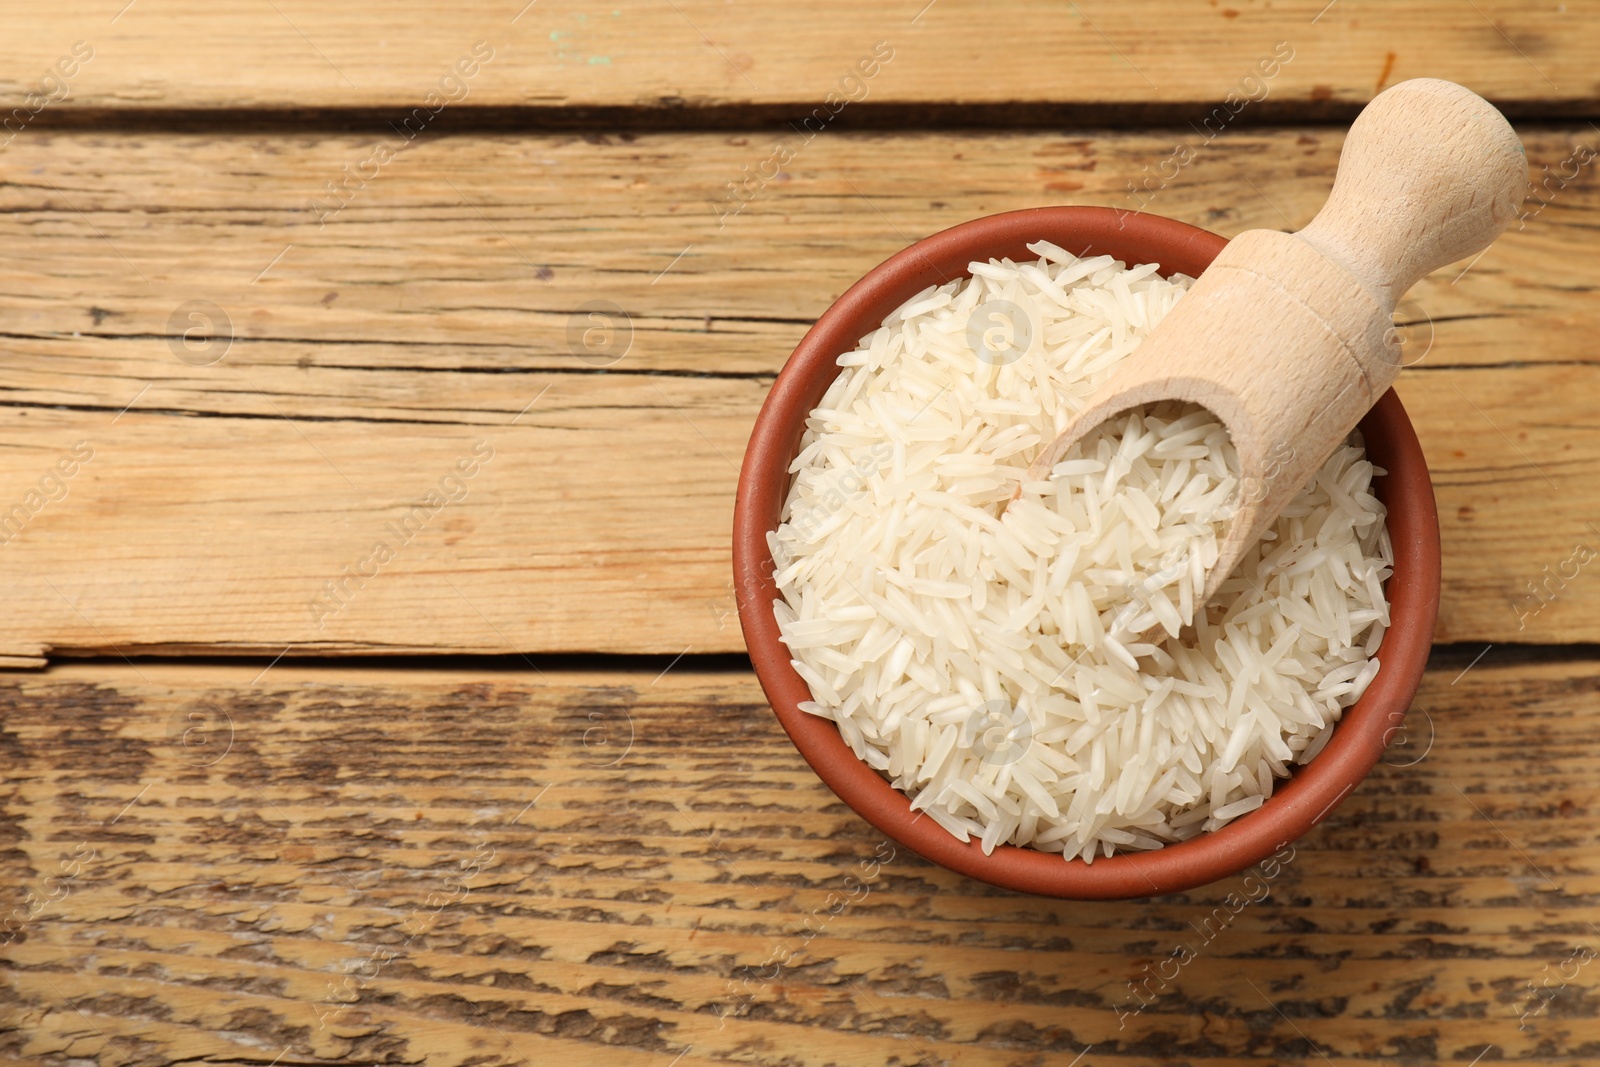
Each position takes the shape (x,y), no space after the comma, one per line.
(284,282)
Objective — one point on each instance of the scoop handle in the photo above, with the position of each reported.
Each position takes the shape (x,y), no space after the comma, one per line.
(1430,173)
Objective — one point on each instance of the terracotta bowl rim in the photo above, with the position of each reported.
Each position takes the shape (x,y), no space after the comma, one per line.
(1297,805)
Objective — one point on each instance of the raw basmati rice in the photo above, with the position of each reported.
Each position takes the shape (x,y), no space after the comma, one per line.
(1029,674)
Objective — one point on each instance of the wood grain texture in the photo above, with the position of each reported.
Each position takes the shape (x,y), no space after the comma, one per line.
(443,307)
(578,868)
(224,383)
(297,54)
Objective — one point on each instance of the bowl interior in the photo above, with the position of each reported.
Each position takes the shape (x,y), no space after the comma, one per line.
(1297,804)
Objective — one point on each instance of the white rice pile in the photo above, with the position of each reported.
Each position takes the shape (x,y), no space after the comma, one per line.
(994,662)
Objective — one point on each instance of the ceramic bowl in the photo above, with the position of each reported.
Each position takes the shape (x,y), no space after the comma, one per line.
(1299,803)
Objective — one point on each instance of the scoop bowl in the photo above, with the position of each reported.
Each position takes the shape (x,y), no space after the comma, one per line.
(1297,804)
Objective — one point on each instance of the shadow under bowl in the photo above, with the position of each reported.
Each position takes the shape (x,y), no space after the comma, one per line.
(1297,804)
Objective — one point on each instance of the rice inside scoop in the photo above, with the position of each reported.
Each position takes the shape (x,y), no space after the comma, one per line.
(1024,673)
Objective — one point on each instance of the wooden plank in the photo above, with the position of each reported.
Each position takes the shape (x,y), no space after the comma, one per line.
(439,309)
(298,54)
(594,867)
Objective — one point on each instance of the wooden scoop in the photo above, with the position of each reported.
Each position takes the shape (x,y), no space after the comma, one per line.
(1286,338)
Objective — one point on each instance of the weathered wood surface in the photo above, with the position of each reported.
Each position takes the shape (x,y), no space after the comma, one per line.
(442,307)
(651,57)
(580,868)
(265,863)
